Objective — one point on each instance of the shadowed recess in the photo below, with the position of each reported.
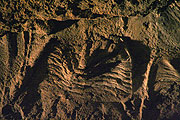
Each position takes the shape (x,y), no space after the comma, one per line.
(140,57)
(56,26)
(97,63)
(176,64)
(12,44)
(10,114)
(34,76)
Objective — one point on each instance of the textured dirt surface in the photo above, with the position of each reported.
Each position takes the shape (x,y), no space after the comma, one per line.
(90,59)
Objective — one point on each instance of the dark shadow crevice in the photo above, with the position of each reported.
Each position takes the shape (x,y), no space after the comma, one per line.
(56,26)
(10,114)
(12,45)
(176,64)
(140,55)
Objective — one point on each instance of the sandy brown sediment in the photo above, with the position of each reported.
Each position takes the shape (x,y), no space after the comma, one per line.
(89,59)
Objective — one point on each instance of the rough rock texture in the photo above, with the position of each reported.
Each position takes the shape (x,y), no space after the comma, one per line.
(90,59)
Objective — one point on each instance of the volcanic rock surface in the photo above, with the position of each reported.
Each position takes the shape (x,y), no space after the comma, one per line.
(90,59)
